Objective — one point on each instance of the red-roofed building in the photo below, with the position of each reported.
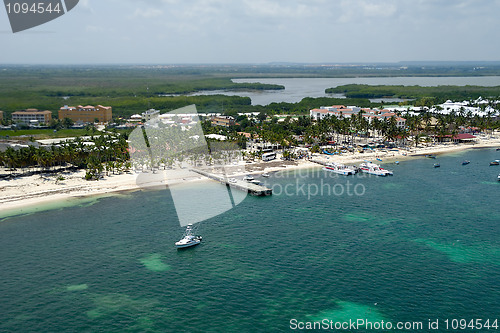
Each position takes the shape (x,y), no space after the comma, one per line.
(369,114)
(400,122)
(29,116)
(386,115)
(249,135)
(464,137)
(225,121)
(86,114)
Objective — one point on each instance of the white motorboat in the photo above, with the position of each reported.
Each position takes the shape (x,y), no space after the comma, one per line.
(499,177)
(248,178)
(265,174)
(189,239)
(232,180)
(254,181)
(374,169)
(341,169)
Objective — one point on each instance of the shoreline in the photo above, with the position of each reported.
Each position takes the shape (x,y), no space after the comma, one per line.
(30,194)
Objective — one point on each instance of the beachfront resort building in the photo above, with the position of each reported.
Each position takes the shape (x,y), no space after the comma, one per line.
(86,114)
(340,111)
(225,121)
(32,116)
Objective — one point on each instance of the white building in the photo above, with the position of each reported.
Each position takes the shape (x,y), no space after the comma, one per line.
(150,114)
(347,112)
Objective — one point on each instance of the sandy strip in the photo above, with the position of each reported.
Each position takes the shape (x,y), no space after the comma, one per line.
(401,155)
(18,194)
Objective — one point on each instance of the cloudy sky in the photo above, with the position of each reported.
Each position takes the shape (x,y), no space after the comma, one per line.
(259,31)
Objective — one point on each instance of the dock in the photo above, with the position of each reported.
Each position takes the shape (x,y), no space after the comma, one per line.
(355,167)
(318,162)
(253,189)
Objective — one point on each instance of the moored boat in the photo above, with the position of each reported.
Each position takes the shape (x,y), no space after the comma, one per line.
(431,156)
(265,174)
(341,169)
(374,169)
(465,162)
(248,178)
(437,165)
(189,239)
(495,162)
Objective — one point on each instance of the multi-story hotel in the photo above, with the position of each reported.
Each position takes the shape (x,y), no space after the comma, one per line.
(86,114)
(225,121)
(346,112)
(32,116)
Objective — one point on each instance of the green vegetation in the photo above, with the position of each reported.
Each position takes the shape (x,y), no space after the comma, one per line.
(437,94)
(128,90)
(344,131)
(132,89)
(108,152)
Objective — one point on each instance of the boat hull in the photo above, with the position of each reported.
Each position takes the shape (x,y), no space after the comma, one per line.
(374,169)
(183,246)
(340,172)
(191,243)
(376,173)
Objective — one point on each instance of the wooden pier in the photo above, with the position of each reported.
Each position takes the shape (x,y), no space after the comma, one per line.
(239,184)
(318,162)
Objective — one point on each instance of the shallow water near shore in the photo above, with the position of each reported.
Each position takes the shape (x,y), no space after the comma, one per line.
(423,244)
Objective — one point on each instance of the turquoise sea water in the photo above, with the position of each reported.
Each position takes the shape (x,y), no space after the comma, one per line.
(423,244)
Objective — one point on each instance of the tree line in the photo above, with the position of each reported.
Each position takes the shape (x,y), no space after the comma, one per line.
(343,130)
(105,152)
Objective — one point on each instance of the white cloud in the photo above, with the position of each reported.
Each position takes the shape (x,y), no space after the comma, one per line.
(147,12)
(279,9)
(271,30)
(356,11)
(84,5)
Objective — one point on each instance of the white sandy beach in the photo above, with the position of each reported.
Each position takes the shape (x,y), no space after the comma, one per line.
(22,192)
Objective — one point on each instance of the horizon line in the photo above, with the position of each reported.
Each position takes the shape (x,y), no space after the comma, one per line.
(272,63)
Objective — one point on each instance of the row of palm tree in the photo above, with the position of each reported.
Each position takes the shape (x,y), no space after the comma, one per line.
(344,130)
(107,151)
